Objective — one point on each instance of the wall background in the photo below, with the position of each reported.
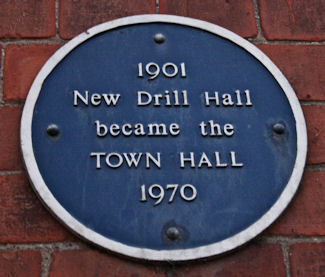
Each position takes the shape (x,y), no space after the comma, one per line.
(290,32)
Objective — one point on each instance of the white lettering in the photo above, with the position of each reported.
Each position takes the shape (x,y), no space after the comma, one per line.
(111,156)
(210,98)
(140,100)
(76,95)
(101,129)
(97,155)
(111,98)
(204,161)
(132,160)
(190,159)
(233,160)
(156,161)
(95,99)
(174,129)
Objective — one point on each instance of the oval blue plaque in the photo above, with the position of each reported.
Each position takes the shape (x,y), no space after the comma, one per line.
(164,138)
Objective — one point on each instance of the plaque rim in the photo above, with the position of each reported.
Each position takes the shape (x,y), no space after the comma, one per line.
(220,247)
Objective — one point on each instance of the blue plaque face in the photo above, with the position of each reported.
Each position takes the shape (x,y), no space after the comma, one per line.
(163,138)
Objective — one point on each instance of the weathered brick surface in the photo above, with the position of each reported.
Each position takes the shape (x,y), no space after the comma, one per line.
(254,260)
(32,18)
(21,65)
(9,138)
(315,121)
(306,214)
(293,19)
(238,16)
(86,263)
(77,16)
(307,259)
(303,66)
(22,216)
(20,263)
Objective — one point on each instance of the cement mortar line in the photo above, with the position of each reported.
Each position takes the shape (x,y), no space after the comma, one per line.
(284,42)
(57,18)
(12,104)
(46,262)
(45,41)
(312,103)
(66,246)
(260,35)
(157,6)
(315,168)
(1,72)
(11,172)
(49,246)
(289,240)
(58,40)
(57,24)
(286,261)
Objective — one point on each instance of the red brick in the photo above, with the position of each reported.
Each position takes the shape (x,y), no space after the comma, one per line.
(303,66)
(20,263)
(22,216)
(10,158)
(238,16)
(77,16)
(307,259)
(254,260)
(86,263)
(315,121)
(306,214)
(293,19)
(21,65)
(21,18)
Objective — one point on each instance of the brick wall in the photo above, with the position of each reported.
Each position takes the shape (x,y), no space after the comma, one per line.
(291,32)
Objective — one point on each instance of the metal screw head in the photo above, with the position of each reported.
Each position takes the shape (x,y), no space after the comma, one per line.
(172,233)
(53,130)
(159,38)
(279,128)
